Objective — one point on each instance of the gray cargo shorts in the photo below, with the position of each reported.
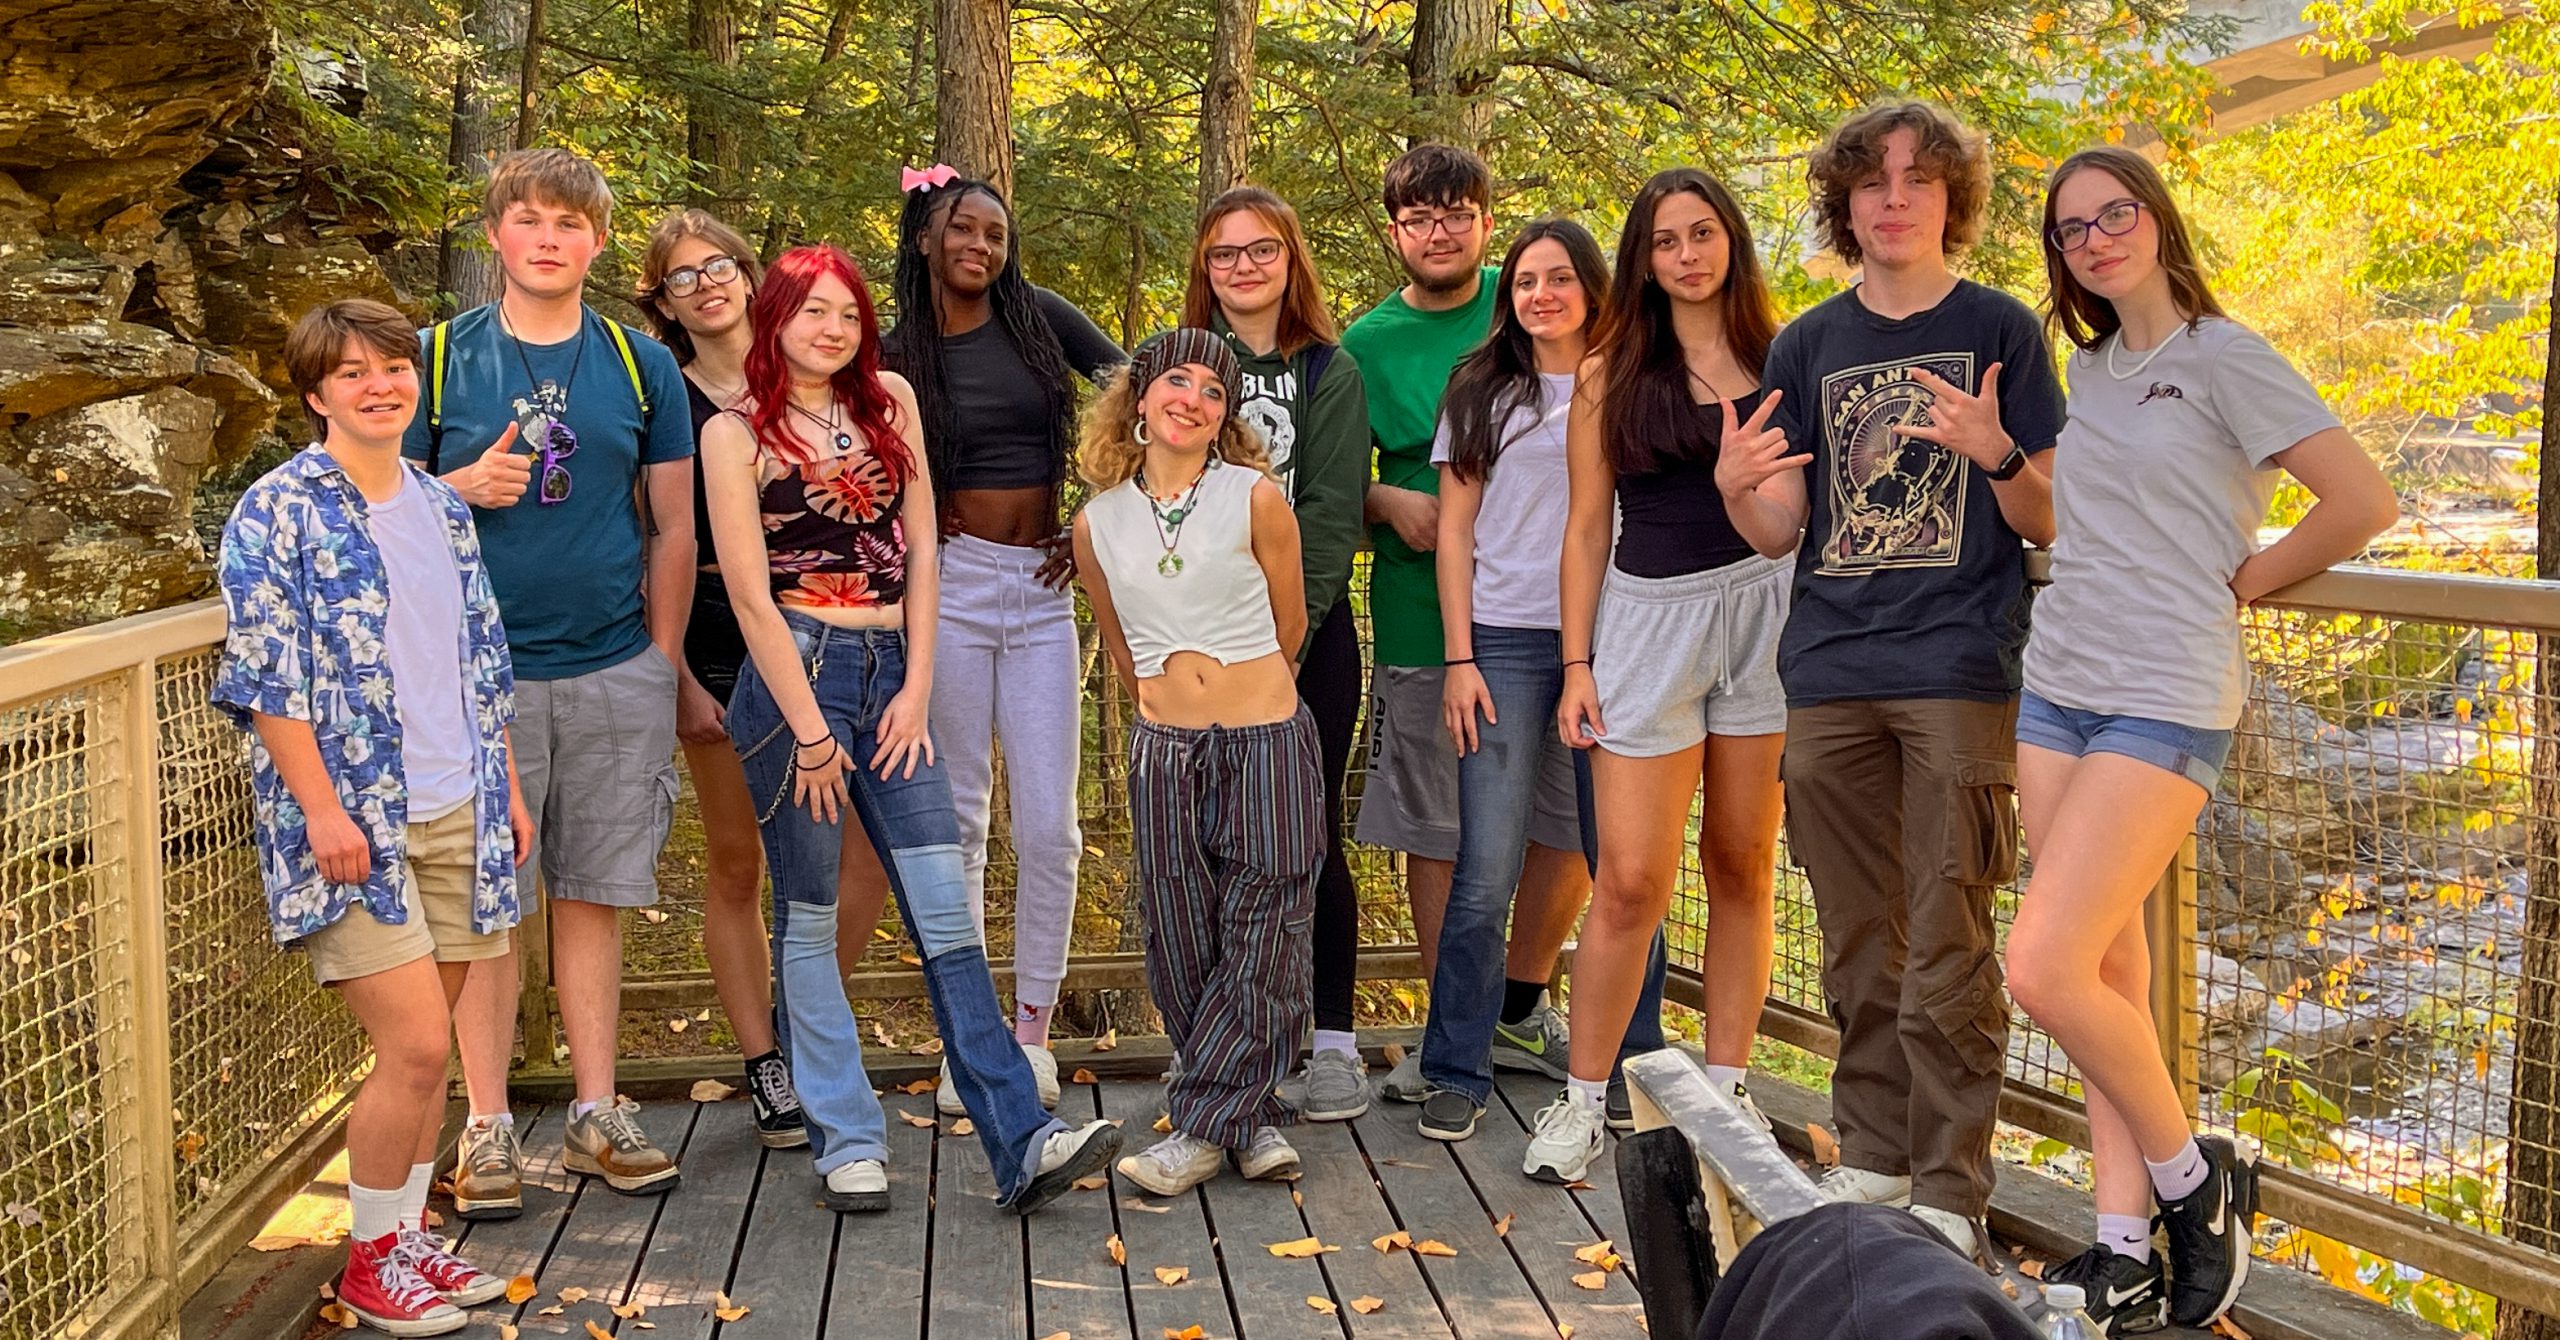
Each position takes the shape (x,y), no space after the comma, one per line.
(595,755)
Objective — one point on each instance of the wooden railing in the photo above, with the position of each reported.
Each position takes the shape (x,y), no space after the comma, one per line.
(167,1077)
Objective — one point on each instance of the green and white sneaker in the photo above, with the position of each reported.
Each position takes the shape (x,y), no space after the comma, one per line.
(1535,1044)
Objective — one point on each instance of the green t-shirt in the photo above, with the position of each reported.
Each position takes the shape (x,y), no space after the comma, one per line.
(1406,357)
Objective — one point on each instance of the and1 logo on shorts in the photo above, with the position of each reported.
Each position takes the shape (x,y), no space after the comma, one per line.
(1896,501)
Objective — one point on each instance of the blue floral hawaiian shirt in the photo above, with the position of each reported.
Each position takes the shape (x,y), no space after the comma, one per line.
(309,606)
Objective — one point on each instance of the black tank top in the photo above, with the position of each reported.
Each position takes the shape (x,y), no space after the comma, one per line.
(1673,521)
(702,410)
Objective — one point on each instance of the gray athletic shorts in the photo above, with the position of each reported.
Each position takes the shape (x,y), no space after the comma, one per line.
(1409,801)
(596,757)
(1677,659)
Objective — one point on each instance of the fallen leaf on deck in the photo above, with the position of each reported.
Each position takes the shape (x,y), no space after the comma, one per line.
(337,1315)
(1186,1333)
(964,1126)
(1392,1241)
(1592,1254)
(1394,1052)
(507,1330)
(2009,1286)
(328,1290)
(931,1047)
(1057,1335)
(914,1087)
(1826,1150)
(1119,1254)
(552,1311)
(1093,1183)
(1109,1040)
(1164,1124)
(2033,1270)
(711,1091)
(1502,1227)
(651,1325)
(1141,1206)
(630,1311)
(1299,1248)
(726,1310)
(703,1015)
(1082,1076)
(278,1242)
(521,1288)
(595,1332)
(678,1025)
(1577,1185)
(1364,1305)
(1297,1198)
(2225,1326)
(920,1123)
(1169,1276)
(1564,1330)
(573,1295)
(1592,1279)
(1433,1247)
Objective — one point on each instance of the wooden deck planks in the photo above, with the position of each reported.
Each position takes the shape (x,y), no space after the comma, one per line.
(881,1259)
(1548,1225)
(696,1236)
(1075,1287)
(1178,1236)
(1480,1289)
(977,1282)
(1345,1206)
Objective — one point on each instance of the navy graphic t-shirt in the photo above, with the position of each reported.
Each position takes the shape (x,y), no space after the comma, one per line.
(1910,584)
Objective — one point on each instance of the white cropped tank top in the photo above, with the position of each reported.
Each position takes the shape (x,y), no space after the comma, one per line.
(1207,593)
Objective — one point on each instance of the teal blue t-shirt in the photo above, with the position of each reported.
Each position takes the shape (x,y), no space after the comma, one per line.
(567,574)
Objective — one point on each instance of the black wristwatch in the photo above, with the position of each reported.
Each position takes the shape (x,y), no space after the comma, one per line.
(2012,463)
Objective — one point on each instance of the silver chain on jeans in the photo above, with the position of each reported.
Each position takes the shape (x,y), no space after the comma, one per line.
(817,662)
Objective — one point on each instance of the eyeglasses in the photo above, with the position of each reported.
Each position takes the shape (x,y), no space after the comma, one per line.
(718,269)
(553,443)
(1420,227)
(1262,252)
(2115,220)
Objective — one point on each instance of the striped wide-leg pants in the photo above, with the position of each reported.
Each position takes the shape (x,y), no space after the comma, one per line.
(1229,833)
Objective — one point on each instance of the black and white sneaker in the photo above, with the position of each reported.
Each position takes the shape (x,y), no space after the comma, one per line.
(2122,1295)
(2210,1234)
(779,1124)
(1448,1115)
(1620,1110)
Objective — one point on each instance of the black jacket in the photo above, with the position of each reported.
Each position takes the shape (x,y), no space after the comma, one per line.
(1858,1272)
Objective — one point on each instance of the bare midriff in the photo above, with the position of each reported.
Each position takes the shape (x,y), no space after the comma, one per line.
(850,616)
(1018,517)
(1195,692)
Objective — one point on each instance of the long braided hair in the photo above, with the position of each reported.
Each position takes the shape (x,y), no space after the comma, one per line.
(913,348)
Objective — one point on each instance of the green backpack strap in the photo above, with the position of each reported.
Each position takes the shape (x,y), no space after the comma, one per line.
(435,396)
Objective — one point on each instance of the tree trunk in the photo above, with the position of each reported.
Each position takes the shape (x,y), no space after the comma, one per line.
(711,131)
(492,31)
(973,89)
(1452,67)
(529,77)
(1226,100)
(2532,1213)
(781,219)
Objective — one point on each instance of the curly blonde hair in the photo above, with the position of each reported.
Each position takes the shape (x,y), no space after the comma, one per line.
(1948,149)
(1108,453)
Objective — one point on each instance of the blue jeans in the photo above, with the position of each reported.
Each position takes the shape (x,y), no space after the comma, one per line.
(1523,668)
(911,824)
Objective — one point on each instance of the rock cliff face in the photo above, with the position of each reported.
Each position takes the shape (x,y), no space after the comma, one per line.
(160,227)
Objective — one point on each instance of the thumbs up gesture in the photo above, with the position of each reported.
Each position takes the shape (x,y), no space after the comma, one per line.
(1966,424)
(498,478)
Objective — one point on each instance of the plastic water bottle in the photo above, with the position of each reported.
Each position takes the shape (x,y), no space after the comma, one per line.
(2065,1315)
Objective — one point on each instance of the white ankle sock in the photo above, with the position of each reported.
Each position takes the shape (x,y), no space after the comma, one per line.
(377,1212)
(1344,1041)
(413,1194)
(1726,1078)
(2181,1175)
(584,1106)
(494,1118)
(2127,1235)
(1593,1093)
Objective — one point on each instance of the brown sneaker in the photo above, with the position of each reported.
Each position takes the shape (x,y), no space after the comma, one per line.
(488,1171)
(609,1143)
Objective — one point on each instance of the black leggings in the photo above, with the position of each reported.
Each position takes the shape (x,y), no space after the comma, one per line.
(1329,684)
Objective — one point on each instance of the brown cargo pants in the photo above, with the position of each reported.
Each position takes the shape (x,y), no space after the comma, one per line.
(1903,813)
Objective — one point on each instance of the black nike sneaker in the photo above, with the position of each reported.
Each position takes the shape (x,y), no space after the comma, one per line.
(2124,1296)
(779,1123)
(2209,1234)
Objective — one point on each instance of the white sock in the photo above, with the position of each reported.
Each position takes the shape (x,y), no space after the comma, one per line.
(584,1106)
(413,1194)
(500,1118)
(377,1213)
(1727,1078)
(1344,1041)
(1591,1093)
(2127,1235)
(2181,1175)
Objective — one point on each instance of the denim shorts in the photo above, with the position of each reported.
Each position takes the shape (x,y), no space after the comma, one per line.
(2191,752)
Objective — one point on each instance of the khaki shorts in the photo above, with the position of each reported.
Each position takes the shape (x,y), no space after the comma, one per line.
(443,862)
(1409,799)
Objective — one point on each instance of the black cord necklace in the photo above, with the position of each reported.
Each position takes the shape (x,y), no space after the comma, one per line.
(543,388)
(833,423)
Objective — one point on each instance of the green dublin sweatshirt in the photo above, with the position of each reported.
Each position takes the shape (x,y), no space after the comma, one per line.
(1319,446)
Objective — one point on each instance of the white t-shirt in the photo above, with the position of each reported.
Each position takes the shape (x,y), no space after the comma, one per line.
(423,643)
(2163,476)
(1520,523)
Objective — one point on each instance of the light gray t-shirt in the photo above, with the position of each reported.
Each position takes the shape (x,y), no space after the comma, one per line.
(2163,477)
(1520,522)
(422,641)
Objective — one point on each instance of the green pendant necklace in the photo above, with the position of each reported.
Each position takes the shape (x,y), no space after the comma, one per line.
(1169,517)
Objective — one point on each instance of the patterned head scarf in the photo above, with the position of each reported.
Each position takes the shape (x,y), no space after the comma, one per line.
(1187,344)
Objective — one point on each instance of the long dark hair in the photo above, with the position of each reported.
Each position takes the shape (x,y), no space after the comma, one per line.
(2083,317)
(913,348)
(856,385)
(1646,409)
(1500,377)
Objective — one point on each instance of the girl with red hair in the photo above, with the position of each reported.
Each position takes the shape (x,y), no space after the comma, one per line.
(822,485)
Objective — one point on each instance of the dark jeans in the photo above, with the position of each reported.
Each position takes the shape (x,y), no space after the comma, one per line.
(1523,668)
(1329,685)
(911,824)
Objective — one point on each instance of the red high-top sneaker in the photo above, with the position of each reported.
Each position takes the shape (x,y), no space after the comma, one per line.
(384,1292)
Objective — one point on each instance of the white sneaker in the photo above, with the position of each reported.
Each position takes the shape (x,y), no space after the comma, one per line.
(1405,1083)
(1174,1164)
(1044,1069)
(1566,1140)
(1961,1233)
(1065,1157)
(946,1097)
(859,1187)
(1871,1188)
(1269,1157)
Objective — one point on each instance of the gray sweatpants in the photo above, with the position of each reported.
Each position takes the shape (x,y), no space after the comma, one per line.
(1005,670)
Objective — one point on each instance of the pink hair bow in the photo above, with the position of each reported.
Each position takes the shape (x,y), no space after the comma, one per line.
(940,174)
